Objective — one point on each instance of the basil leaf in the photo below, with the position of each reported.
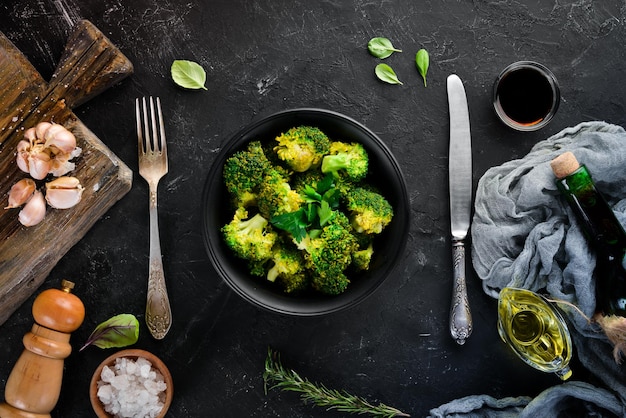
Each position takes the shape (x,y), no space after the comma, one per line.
(385,73)
(422,60)
(188,74)
(293,222)
(119,331)
(381,47)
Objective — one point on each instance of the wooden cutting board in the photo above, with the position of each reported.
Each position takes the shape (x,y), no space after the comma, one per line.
(89,65)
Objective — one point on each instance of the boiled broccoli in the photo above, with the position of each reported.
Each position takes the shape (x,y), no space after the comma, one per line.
(285,261)
(251,239)
(244,171)
(302,147)
(349,160)
(275,196)
(362,258)
(313,218)
(258,267)
(369,211)
(288,269)
(329,253)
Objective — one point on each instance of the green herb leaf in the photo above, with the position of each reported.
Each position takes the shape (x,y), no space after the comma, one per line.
(310,212)
(293,222)
(119,331)
(326,183)
(325,213)
(385,73)
(381,47)
(422,60)
(311,195)
(276,376)
(332,196)
(188,74)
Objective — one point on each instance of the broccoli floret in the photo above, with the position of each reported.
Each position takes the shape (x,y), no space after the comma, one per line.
(329,254)
(275,196)
(244,171)
(286,261)
(302,147)
(361,259)
(346,160)
(251,239)
(288,269)
(258,267)
(369,211)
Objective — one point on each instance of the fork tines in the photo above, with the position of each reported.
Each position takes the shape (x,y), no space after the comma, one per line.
(155,142)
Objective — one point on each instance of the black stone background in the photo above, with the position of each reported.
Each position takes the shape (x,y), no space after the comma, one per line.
(268,55)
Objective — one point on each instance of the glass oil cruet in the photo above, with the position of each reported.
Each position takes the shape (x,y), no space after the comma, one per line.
(535,331)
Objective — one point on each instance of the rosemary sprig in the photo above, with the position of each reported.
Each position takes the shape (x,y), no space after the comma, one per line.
(288,380)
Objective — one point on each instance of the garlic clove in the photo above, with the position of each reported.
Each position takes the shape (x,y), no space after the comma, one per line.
(40,130)
(23,148)
(30,135)
(39,165)
(34,211)
(20,193)
(64,192)
(57,136)
(66,182)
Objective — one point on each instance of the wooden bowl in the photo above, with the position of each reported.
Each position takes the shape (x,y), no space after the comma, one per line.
(132,354)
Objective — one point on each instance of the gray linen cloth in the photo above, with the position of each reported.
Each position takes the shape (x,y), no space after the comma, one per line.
(525,235)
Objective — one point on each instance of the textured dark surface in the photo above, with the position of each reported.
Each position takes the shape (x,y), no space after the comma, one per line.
(269,55)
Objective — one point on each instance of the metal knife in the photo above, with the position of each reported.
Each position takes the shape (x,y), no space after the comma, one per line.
(460,181)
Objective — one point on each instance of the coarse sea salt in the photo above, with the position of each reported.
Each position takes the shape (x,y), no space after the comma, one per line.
(131,389)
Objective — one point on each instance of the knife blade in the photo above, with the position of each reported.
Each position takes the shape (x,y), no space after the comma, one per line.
(460,184)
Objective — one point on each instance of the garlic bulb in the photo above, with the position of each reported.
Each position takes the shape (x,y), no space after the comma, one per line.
(34,211)
(46,149)
(20,193)
(64,192)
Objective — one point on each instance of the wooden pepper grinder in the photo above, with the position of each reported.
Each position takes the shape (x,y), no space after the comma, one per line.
(34,385)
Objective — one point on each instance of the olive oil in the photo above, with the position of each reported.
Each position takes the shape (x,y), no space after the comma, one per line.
(602,229)
(535,331)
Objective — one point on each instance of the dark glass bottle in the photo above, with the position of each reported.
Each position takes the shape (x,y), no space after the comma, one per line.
(602,229)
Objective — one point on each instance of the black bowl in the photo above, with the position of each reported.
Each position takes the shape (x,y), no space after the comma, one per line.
(384,173)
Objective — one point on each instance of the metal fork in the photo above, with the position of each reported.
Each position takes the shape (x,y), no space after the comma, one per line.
(152,167)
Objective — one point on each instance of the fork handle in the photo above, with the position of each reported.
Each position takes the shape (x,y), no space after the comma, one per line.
(158,311)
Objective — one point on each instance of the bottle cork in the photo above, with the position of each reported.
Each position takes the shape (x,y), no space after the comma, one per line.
(564,165)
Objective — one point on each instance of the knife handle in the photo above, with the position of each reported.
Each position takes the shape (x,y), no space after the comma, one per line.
(460,315)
